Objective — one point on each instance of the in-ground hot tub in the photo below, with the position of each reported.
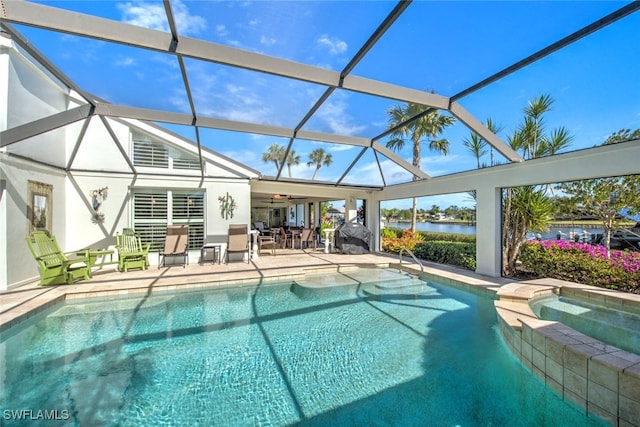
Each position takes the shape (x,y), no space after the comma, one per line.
(614,326)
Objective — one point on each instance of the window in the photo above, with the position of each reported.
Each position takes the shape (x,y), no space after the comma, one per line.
(146,153)
(188,208)
(154,209)
(186,162)
(156,154)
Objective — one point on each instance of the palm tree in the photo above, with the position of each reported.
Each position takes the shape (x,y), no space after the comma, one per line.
(428,126)
(478,145)
(528,208)
(274,154)
(319,158)
(292,159)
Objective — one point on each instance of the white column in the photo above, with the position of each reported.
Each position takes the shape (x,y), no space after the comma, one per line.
(255,253)
(351,209)
(488,232)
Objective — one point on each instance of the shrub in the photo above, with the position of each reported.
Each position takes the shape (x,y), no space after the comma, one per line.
(582,263)
(461,254)
(444,248)
(408,239)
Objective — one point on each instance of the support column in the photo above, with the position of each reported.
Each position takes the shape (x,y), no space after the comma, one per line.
(351,209)
(488,231)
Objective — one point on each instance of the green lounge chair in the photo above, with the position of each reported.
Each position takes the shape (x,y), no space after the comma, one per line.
(57,267)
(131,253)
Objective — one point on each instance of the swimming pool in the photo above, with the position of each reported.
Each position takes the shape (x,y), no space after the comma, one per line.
(376,348)
(613,326)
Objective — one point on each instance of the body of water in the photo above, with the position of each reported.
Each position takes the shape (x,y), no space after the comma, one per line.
(562,233)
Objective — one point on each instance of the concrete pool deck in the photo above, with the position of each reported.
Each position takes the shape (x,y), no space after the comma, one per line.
(23,302)
(601,380)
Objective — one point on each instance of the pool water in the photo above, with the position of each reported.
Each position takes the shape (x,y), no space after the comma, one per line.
(616,327)
(394,352)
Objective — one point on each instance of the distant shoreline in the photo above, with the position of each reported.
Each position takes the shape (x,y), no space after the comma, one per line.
(586,224)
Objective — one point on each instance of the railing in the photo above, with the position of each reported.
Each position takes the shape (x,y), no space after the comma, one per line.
(407,250)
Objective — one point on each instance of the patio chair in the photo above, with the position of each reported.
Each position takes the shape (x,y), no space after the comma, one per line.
(175,245)
(285,238)
(267,242)
(259,225)
(308,238)
(237,241)
(56,267)
(131,252)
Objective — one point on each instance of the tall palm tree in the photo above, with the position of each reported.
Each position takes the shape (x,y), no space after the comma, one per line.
(292,159)
(428,127)
(274,154)
(528,208)
(319,157)
(478,145)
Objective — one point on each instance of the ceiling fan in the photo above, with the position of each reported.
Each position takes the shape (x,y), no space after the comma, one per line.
(286,196)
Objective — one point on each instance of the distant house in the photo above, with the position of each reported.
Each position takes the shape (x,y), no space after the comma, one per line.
(336,215)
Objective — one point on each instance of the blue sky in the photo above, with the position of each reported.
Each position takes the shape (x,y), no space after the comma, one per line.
(441,46)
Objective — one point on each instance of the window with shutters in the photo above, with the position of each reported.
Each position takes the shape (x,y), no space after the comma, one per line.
(154,209)
(155,154)
(151,154)
(180,161)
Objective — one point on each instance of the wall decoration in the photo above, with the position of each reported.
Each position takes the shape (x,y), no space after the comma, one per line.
(97,198)
(40,206)
(227,206)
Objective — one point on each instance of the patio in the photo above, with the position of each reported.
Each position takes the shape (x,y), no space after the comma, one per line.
(23,302)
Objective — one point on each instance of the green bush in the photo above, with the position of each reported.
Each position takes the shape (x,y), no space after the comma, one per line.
(461,254)
(444,248)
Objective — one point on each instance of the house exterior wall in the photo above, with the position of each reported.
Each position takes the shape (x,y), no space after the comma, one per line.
(72,211)
(20,265)
(33,94)
(29,93)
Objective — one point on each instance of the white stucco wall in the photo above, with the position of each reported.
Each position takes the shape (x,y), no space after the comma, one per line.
(72,211)
(30,93)
(21,266)
(33,94)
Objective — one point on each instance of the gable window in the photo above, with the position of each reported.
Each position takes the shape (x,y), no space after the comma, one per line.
(155,154)
(151,154)
(185,162)
(154,209)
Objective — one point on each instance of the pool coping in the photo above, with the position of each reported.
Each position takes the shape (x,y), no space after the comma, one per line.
(598,378)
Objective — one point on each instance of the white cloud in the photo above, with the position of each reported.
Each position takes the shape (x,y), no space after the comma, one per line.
(341,147)
(221,30)
(335,46)
(333,113)
(126,61)
(267,41)
(153,16)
